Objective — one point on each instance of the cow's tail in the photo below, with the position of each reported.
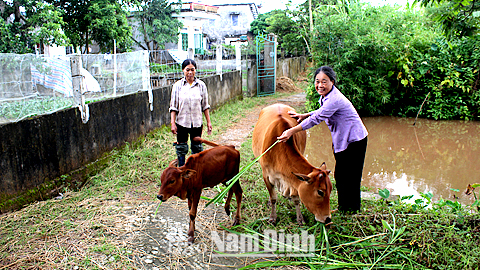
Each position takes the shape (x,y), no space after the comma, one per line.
(200,140)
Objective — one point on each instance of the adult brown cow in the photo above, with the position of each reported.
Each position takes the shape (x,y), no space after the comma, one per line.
(205,169)
(285,167)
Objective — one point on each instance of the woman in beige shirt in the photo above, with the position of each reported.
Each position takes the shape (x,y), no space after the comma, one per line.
(189,100)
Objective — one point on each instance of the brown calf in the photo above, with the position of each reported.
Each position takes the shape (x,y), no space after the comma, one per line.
(205,169)
(285,167)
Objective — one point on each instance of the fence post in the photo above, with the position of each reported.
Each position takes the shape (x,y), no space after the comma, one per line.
(238,55)
(78,86)
(191,54)
(219,59)
(146,78)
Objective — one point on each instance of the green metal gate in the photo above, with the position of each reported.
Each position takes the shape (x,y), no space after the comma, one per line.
(266,64)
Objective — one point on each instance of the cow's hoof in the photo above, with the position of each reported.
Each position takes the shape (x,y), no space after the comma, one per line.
(272,221)
(190,240)
(227,211)
(236,222)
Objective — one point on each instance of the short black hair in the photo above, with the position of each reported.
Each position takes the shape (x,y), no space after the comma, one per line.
(188,62)
(327,71)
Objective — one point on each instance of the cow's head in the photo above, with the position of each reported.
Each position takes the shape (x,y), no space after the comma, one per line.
(314,192)
(172,182)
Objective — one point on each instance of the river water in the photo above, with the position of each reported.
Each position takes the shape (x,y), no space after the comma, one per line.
(430,156)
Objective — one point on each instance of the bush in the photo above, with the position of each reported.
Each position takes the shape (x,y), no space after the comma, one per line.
(388,60)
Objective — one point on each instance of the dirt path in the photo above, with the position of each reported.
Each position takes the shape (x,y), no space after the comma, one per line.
(160,242)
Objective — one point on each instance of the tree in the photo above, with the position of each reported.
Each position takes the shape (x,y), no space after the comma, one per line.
(280,23)
(101,21)
(259,25)
(156,24)
(460,18)
(25,23)
(109,15)
(287,31)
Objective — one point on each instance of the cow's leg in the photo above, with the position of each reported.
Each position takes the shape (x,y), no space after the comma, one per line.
(238,195)
(192,205)
(296,201)
(273,201)
(227,202)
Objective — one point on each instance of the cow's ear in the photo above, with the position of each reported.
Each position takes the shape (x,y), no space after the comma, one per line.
(173,163)
(303,177)
(188,173)
(323,166)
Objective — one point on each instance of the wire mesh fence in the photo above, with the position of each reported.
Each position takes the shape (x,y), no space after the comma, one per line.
(33,85)
(26,91)
(166,69)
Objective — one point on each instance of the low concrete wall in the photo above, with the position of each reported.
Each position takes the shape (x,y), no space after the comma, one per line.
(45,147)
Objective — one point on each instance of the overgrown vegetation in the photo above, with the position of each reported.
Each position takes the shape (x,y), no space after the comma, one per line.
(83,228)
(389,59)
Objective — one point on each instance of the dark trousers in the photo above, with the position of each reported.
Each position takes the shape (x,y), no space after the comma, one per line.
(348,175)
(182,133)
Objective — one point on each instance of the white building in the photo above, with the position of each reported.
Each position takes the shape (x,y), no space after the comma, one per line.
(234,22)
(192,35)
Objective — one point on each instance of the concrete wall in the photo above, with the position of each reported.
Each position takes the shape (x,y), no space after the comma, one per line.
(42,148)
(291,67)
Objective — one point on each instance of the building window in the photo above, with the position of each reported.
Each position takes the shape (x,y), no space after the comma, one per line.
(199,43)
(184,41)
(234,19)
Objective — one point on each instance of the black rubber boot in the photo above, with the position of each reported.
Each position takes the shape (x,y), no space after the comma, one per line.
(182,150)
(196,147)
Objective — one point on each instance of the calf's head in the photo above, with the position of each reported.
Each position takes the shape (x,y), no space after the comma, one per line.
(173,179)
(314,192)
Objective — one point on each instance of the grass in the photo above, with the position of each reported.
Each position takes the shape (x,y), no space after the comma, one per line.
(87,228)
(17,110)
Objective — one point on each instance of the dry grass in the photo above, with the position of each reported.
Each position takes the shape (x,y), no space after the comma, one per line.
(99,226)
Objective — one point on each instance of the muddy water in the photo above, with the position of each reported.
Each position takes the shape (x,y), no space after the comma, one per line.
(432,156)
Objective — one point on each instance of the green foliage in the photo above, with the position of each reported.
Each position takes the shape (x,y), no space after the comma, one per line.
(16,110)
(99,20)
(157,25)
(162,68)
(108,15)
(362,46)
(34,22)
(282,24)
(388,59)
(449,70)
(11,40)
(384,193)
(259,25)
(458,18)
